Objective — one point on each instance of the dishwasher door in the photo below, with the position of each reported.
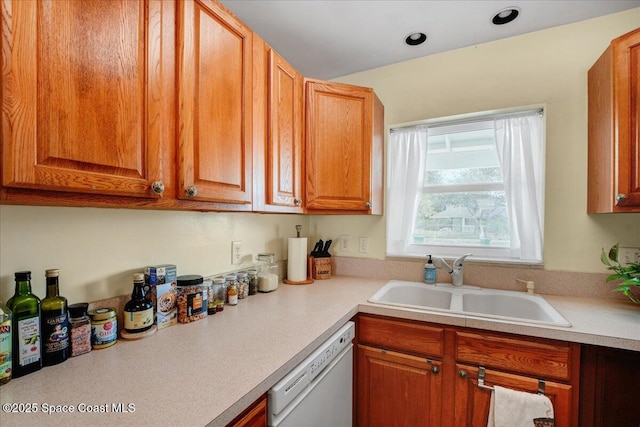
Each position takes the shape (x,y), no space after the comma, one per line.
(327,400)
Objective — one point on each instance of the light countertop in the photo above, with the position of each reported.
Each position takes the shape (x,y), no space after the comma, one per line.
(207,372)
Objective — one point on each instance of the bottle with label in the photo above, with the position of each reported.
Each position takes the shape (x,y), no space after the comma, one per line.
(5,344)
(26,339)
(232,294)
(55,323)
(429,272)
(138,312)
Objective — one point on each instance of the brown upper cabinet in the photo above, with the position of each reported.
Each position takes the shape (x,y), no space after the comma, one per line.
(277,132)
(83,86)
(214,106)
(344,148)
(614,128)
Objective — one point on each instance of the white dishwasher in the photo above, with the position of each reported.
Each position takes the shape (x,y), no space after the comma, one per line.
(318,392)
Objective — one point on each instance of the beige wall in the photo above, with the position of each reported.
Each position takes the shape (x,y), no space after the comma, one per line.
(98,249)
(546,67)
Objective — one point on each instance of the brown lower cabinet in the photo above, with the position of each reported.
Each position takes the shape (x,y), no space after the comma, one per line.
(254,416)
(411,373)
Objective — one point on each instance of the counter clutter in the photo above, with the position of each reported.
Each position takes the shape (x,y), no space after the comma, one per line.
(265,336)
(36,333)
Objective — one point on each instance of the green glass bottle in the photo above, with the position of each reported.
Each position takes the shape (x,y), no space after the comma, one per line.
(26,340)
(55,322)
(5,344)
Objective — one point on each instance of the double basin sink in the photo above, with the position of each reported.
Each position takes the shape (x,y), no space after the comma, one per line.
(471,301)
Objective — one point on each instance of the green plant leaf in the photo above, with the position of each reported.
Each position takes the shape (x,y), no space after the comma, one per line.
(604,259)
(613,252)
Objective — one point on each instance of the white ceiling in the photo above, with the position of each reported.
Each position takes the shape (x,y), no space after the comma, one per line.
(331,38)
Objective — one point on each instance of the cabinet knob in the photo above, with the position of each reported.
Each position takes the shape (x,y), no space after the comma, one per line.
(621,198)
(435,369)
(298,202)
(368,205)
(157,187)
(192,191)
(462,374)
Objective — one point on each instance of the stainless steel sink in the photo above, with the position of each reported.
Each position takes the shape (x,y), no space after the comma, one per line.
(471,301)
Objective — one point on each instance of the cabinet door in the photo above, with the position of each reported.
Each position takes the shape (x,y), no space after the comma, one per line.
(253,416)
(82,93)
(340,147)
(614,128)
(472,401)
(278,120)
(214,113)
(395,389)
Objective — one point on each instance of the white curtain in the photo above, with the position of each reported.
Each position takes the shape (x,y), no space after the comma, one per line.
(520,145)
(407,153)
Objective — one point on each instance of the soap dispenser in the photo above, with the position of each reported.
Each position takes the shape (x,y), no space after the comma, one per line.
(429,271)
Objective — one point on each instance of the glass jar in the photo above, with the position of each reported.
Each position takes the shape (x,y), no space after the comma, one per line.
(269,272)
(230,279)
(219,292)
(253,281)
(243,284)
(80,325)
(192,298)
(211,304)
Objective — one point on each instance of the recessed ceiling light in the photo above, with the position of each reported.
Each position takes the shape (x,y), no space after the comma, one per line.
(415,38)
(505,15)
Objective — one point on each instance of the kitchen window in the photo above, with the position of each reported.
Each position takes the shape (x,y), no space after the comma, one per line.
(472,185)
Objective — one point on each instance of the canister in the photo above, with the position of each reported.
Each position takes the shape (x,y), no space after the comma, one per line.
(192,298)
(104,327)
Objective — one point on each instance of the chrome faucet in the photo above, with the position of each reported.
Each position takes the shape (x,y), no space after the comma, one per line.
(455,271)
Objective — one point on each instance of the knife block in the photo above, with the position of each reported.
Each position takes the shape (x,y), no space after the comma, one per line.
(321,268)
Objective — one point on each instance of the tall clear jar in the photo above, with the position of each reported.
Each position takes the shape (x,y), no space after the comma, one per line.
(243,284)
(253,280)
(230,279)
(268,272)
(219,292)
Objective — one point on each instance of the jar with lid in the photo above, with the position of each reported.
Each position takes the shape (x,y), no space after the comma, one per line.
(192,298)
(211,304)
(80,325)
(219,292)
(269,272)
(230,279)
(253,281)
(232,294)
(243,284)
(104,327)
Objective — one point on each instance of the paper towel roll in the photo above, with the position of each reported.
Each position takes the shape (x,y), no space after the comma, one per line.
(297,262)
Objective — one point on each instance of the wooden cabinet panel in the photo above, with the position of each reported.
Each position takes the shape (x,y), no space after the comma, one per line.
(395,389)
(254,416)
(614,128)
(472,401)
(214,113)
(278,122)
(608,387)
(548,359)
(82,95)
(343,142)
(410,337)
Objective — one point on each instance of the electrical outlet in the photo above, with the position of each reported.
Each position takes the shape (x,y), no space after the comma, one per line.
(344,243)
(628,255)
(236,252)
(363,245)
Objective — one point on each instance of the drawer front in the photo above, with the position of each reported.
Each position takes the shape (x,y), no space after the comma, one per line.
(538,357)
(405,336)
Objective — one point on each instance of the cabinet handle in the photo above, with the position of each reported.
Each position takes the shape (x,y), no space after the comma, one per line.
(435,369)
(368,205)
(462,374)
(621,198)
(298,202)
(157,187)
(192,191)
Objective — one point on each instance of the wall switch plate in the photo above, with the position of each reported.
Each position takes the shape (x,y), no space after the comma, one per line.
(363,245)
(628,255)
(345,243)
(236,252)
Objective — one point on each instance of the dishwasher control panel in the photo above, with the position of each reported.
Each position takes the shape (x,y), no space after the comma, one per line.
(336,346)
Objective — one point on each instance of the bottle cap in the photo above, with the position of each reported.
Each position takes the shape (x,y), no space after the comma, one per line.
(190,280)
(21,276)
(138,277)
(78,310)
(52,272)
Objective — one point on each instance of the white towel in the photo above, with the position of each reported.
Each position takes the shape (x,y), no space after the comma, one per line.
(511,408)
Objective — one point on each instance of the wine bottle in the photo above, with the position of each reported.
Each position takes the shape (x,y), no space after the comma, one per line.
(138,311)
(55,322)
(26,340)
(5,344)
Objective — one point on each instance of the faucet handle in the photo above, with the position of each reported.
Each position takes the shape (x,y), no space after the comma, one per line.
(459,261)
